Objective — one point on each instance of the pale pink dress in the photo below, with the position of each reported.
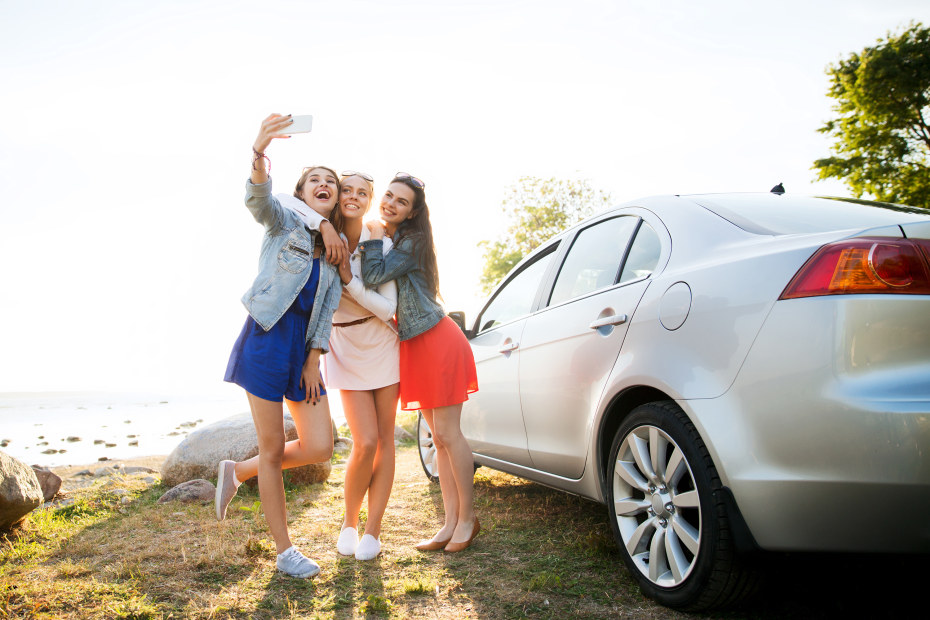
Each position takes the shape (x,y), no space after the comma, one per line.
(364,356)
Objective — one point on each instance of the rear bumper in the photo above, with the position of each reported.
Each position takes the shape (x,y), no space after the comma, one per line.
(834,454)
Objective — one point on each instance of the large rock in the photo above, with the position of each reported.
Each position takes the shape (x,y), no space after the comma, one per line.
(232,438)
(401,434)
(48,480)
(191,491)
(20,492)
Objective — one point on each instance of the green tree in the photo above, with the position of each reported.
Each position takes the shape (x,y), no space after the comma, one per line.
(881,139)
(537,209)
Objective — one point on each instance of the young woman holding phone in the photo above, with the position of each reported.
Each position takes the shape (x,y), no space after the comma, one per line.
(276,357)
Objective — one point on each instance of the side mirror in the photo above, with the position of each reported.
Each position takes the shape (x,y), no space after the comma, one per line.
(459,318)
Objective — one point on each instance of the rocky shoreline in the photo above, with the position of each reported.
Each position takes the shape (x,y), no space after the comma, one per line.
(80,476)
(43,443)
(25,488)
(187,470)
(69,428)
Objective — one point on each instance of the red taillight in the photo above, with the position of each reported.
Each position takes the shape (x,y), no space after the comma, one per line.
(865,265)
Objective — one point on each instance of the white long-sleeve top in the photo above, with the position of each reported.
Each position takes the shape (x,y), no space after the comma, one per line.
(364,356)
(358,301)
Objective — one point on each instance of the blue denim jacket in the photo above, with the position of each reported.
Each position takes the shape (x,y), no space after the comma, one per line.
(417,309)
(284,266)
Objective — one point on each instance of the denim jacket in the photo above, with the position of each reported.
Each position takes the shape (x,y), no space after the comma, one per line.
(284,266)
(417,309)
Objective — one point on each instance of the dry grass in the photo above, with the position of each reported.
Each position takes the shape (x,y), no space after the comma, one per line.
(99,559)
(541,553)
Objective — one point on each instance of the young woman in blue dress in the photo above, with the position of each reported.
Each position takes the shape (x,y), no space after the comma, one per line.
(276,356)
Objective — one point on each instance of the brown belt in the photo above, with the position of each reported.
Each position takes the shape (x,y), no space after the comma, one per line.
(358,322)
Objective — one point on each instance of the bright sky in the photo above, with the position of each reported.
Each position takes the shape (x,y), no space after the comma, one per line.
(126,126)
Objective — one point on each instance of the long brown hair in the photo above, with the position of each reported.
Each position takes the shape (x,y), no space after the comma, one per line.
(419,229)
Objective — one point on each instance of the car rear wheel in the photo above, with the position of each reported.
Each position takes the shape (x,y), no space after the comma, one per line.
(427,449)
(668,514)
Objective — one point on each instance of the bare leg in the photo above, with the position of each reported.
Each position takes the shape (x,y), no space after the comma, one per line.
(450,494)
(370,415)
(382,478)
(361,416)
(269,426)
(314,443)
(447,432)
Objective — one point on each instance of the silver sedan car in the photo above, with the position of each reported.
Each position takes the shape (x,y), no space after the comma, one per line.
(726,373)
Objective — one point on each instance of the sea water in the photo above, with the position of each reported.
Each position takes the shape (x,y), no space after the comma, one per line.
(72,428)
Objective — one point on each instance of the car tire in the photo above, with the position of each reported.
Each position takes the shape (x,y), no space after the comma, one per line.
(427,449)
(672,525)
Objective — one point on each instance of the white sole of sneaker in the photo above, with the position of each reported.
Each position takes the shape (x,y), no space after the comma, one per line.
(313,573)
(219,491)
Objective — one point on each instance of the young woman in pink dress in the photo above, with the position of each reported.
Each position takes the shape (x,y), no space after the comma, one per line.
(363,366)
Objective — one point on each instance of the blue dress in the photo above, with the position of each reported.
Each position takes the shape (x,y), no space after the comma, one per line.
(268,364)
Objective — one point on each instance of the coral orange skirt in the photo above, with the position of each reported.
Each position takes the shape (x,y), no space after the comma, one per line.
(437,368)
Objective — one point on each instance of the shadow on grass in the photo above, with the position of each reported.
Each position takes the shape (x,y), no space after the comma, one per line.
(100,558)
(541,553)
(552,554)
(838,585)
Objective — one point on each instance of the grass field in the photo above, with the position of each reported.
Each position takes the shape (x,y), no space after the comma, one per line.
(541,553)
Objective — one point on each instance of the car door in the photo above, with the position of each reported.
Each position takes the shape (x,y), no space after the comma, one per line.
(570,345)
(491,418)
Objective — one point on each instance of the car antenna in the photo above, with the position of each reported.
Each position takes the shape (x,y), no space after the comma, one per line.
(778,189)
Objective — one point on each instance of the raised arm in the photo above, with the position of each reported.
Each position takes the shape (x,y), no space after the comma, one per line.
(271,129)
(258,199)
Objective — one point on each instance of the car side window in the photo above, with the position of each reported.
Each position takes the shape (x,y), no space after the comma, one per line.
(516,298)
(643,256)
(593,262)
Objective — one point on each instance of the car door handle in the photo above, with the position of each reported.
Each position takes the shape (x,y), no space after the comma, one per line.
(510,346)
(616,319)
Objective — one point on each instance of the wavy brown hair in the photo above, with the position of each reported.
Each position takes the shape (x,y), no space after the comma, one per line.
(419,229)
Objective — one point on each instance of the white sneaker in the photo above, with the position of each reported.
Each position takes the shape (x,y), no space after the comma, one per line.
(226,487)
(348,541)
(294,563)
(368,548)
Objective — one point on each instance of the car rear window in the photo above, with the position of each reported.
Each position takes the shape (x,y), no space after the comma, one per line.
(773,214)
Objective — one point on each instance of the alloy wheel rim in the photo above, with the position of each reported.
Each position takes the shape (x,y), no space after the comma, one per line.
(657,506)
(427,448)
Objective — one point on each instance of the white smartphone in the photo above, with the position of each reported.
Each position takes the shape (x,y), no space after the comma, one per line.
(302,124)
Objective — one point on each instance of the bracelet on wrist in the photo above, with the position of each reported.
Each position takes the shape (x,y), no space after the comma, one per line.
(256,156)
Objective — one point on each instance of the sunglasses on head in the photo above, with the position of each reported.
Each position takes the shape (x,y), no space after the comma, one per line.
(353,173)
(405,176)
